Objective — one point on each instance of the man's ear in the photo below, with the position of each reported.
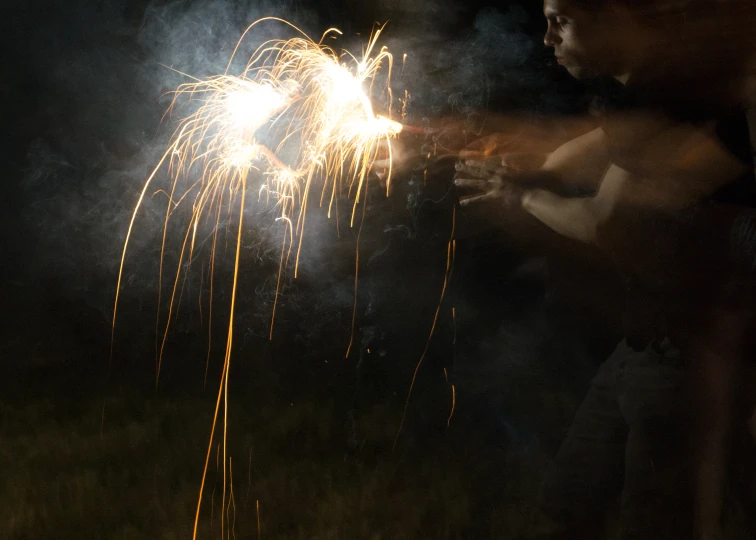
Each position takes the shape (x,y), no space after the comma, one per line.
(623,17)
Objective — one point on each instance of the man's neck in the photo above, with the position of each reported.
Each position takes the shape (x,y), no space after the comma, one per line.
(639,56)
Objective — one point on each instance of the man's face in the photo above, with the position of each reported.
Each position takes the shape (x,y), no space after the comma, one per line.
(585,42)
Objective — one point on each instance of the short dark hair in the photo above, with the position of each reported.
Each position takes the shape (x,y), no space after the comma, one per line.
(633,5)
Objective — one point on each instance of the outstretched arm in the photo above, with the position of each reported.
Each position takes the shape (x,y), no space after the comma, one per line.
(580,162)
(579,218)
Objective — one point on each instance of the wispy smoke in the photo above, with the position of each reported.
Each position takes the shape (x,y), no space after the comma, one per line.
(462,74)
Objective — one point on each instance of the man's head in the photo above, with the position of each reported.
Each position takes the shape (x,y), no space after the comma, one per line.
(592,37)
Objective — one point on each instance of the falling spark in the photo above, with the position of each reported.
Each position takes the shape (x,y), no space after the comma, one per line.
(453,405)
(451,252)
(257,511)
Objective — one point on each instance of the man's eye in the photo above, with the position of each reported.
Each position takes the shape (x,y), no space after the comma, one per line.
(561,21)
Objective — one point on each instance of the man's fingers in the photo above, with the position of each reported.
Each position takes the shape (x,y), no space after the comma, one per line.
(395,154)
(473,183)
(477,171)
(491,163)
(472,199)
(381,164)
(461,168)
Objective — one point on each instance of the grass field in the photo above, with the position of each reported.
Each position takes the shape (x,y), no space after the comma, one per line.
(68,474)
(310,447)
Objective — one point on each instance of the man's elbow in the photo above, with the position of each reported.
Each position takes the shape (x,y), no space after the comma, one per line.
(589,224)
(590,235)
(586,232)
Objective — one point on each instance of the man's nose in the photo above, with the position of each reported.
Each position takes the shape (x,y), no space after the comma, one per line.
(550,39)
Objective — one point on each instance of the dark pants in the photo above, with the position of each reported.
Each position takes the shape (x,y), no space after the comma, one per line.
(630,437)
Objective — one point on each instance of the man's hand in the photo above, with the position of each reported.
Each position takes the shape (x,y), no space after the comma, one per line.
(489,170)
(489,179)
(398,156)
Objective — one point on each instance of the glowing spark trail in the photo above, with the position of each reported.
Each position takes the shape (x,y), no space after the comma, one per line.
(298,114)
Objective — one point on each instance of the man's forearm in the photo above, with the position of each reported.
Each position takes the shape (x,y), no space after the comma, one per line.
(554,181)
(569,216)
(579,163)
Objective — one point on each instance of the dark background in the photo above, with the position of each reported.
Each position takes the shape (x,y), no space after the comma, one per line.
(82,97)
(84,91)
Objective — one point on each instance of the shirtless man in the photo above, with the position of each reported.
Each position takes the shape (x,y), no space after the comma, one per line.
(668,167)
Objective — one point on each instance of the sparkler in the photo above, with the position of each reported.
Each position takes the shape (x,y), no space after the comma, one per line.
(299,113)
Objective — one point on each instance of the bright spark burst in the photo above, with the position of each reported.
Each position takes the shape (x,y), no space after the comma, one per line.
(299,114)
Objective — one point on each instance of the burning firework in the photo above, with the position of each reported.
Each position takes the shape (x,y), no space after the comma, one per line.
(298,114)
